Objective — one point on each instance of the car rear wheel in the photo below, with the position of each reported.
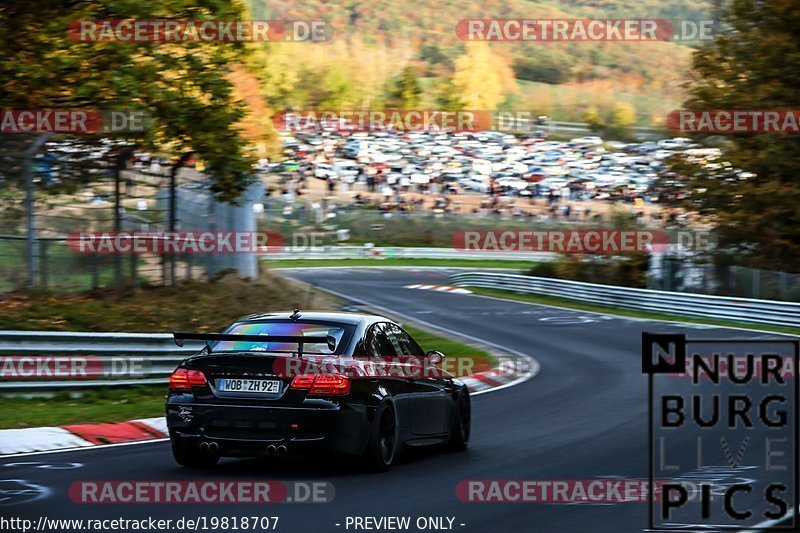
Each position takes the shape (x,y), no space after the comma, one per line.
(193,457)
(459,434)
(382,446)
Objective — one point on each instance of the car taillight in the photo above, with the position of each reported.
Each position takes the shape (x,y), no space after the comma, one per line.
(179,379)
(197,378)
(303,381)
(331,384)
(323,384)
(183,379)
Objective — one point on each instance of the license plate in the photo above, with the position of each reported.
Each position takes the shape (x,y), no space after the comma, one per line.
(249,385)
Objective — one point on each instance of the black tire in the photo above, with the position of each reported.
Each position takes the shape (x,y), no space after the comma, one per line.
(462,422)
(383,442)
(192,457)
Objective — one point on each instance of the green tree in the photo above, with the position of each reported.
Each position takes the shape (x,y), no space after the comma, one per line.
(406,93)
(751,65)
(278,72)
(182,86)
(337,88)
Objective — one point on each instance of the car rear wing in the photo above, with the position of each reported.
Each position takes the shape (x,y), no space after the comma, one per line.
(329,340)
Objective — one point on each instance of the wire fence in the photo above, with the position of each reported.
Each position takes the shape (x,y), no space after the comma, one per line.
(50,193)
(49,190)
(668,274)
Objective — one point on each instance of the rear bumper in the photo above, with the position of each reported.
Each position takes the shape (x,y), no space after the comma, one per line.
(248,430)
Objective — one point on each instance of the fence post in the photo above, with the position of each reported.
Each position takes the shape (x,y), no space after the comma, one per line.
(30,207)
(756,283)
(117,226)
(667,275)
(173,174)
(783,285)
(43,270)
(119,166)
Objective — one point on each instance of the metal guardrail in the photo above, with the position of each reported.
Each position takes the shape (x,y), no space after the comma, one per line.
(677,303)
(162,355)
(155,353)
(557,126)
(377,252)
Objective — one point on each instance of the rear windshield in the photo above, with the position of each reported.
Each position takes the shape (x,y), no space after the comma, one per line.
(340,332)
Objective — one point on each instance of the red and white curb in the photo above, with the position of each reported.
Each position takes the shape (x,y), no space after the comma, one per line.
(501,376)
(439,288)
(13,441)
(75,436)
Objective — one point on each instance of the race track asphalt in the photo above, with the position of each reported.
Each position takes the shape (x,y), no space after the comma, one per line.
(583,417)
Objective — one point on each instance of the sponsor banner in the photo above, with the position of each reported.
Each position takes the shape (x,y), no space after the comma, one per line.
(194,31)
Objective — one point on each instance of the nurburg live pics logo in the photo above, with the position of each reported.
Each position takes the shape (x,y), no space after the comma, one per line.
(725,440)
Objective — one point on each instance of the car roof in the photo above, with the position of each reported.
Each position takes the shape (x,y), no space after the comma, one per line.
(332,316)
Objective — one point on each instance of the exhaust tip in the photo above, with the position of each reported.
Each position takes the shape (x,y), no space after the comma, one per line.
(271,449)
(213,446)
(282,449)
(204,446)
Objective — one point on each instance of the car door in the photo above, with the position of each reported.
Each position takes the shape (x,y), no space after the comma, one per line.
(430,403)
(381,352)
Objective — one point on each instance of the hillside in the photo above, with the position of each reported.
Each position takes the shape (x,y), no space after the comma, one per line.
(379,38)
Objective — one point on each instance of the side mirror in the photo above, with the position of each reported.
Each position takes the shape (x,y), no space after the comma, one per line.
(434,357)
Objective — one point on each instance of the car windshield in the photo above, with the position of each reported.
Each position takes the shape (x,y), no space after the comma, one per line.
(340,332)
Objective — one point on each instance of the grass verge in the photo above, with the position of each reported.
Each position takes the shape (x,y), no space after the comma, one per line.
(117,405)
(106,405)
(191,306)
(476,360)
(582,306)
(195,306)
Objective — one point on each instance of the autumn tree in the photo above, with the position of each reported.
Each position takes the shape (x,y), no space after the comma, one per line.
(183,87)
(749,66)
(482,79)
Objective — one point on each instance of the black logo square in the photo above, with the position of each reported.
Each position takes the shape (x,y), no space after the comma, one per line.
(663,353)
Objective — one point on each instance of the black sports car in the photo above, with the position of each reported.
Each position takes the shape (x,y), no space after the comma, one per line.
(283,383)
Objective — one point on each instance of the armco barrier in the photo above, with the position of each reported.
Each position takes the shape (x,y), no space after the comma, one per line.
(377,252)
(158,349)
(677,303)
